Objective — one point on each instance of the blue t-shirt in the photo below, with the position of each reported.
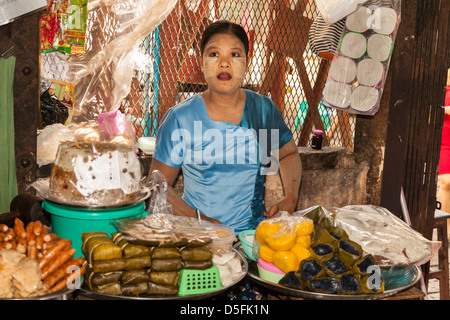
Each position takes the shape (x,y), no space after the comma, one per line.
(224,165)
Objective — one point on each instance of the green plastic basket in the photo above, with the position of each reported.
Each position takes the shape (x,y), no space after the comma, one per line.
(199,281)
(247,246)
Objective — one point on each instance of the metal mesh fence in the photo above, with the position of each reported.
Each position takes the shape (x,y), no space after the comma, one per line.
(281,66)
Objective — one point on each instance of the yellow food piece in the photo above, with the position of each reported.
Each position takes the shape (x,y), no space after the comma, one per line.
(266,253)
(281,242)
(301,252)
(304,241)
(265,229)
(304,228)
(286,261)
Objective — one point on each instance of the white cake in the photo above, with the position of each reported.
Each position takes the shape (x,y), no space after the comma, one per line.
(95,173)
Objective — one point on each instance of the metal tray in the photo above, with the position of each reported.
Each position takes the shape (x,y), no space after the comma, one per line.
(100,296)
(62,294)
(253,274)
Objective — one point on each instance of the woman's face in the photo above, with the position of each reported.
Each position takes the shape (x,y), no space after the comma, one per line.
(224,63)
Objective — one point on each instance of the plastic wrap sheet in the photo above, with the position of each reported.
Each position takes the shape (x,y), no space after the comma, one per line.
(359,68)
(115,29)
(163,228)
(283,241)
(379,233)
(97,165)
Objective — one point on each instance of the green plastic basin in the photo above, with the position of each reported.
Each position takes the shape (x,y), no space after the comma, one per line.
(71,222)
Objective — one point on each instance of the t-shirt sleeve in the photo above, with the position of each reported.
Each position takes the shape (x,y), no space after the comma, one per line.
(284,134)
(170,141)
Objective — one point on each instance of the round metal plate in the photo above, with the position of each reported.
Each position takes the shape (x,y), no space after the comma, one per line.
(100,296)
(253,274)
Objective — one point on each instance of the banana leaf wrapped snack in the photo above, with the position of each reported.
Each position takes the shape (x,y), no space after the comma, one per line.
(99,246)
(130,250)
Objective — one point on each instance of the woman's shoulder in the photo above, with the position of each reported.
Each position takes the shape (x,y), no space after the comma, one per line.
(259,101)
(187,104)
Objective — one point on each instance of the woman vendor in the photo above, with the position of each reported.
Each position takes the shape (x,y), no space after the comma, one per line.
(226,140)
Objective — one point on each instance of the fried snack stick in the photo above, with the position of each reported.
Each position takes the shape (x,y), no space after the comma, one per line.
(9,235)
(57,261)
(37,228)
(60,245)
(11,244)
(3,228)
(68,279)
(29,231)
(19,228)
(61,272)
(21,245)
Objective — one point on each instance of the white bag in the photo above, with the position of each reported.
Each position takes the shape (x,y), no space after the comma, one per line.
(334,10)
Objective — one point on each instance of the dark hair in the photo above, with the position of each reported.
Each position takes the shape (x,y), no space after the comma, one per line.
(222,27)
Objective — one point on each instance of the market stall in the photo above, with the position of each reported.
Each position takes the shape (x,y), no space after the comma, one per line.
(112,235)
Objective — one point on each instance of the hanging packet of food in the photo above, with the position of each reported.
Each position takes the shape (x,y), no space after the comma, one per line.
(360,65)
(63,26)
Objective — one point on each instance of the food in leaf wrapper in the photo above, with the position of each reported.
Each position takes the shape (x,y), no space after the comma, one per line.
(108,265)
(160,289)
(109,288)
(166,264)
(335,266)
(196,265)
(293,280)
(97,246)
(350,283)
(311,269)
(138,263)
(130,250)
(134,289)
(166,278)
(370,283)
(349,251)
(135,276)
(98,279)
(165,253)
(325,285)
(196,253)
(363,264)
(322,251)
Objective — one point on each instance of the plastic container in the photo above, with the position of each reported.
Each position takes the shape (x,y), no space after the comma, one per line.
(199,281)
(223,242)
(268,271)
(316,140)
(247,245)
(71,222)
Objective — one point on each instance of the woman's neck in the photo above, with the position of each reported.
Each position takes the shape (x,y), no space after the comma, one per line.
(225,107)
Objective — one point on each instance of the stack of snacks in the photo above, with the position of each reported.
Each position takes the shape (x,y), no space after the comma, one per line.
(35,261)
(119,267)
(336,266)
(284,241)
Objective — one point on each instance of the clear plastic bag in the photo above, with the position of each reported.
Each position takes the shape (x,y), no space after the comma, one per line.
(360,65)
(102,74)
(380,233)
(161,227)
(96,166)
(335,10)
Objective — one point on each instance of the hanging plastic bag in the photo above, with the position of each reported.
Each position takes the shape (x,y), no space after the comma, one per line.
(115,30)
(359,68)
